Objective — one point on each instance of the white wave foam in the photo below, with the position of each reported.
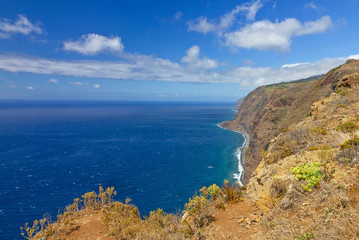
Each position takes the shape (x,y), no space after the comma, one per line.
(238,175)
(238,154)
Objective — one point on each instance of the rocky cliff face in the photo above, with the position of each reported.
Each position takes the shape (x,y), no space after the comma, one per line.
(269,110)
(307,181)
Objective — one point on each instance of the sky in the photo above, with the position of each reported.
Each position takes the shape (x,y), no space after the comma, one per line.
(195,50)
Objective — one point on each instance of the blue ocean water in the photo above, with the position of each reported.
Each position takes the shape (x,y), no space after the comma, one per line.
(157,154)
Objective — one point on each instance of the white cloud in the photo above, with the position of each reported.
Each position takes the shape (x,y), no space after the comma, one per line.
(53,80)
(148,68)
(30,88)
(310,5)
(274,4)
(12,86)
(22,26)
(277,36)
(91,44)
(96,85)
(252,9)
(78,83)
(248,62)
(354,56)
(178,15)
(260,35)
(193,60)
(293,65)
(202,24)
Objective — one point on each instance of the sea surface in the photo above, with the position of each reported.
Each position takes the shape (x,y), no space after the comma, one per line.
(157,154)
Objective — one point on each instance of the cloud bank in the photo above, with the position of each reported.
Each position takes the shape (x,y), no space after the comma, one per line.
(193,68)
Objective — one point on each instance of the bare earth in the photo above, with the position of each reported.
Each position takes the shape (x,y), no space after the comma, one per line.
(238,221)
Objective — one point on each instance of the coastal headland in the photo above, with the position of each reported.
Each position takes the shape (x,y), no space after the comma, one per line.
(301,175)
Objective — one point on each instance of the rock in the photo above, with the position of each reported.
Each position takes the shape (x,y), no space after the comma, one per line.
(255,218)
(184,217)
(240,220)
(248,221)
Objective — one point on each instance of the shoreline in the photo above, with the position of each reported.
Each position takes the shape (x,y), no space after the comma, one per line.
(240,153)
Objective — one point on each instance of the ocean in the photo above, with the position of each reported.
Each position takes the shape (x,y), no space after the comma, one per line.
(158,154)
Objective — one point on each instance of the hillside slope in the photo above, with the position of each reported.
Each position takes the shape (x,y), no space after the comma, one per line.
(268,110)
(307,183)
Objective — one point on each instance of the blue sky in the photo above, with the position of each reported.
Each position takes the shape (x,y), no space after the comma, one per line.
(168,50)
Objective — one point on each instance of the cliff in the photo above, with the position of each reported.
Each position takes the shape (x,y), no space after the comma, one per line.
(307,182)
(268,110)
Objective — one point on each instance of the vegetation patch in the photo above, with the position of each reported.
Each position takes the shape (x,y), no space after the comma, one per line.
(313,148)
(306,236)
(349,144)
(310,173)
(342,92)
(348,127)
(318,130)
(349,151)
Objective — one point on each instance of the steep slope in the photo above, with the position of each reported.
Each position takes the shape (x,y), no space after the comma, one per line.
(307,183)
(268,110)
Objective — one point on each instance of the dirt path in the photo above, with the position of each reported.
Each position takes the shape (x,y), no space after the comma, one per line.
(238,221)
(90,227)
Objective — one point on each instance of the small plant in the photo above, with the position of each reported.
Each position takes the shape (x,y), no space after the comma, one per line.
(318,130)
(349,151)
(231,193)
(313,148)
(348,127)
(342,92)
(199,208)
(306,236)
(310,173)
(349,144)
(325,147)
(346,160)
(213,191)
(196,204)
(29,232)
(342,105)
(284,130)
(90,199)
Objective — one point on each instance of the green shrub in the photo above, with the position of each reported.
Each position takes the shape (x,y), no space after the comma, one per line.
(313,148)
(310,173)
(213,191)
(348,127)
(325,147)
(346,160)
(318,130)
(349,144)
(231,193)
(306,236)
(29,232)
(342,92)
